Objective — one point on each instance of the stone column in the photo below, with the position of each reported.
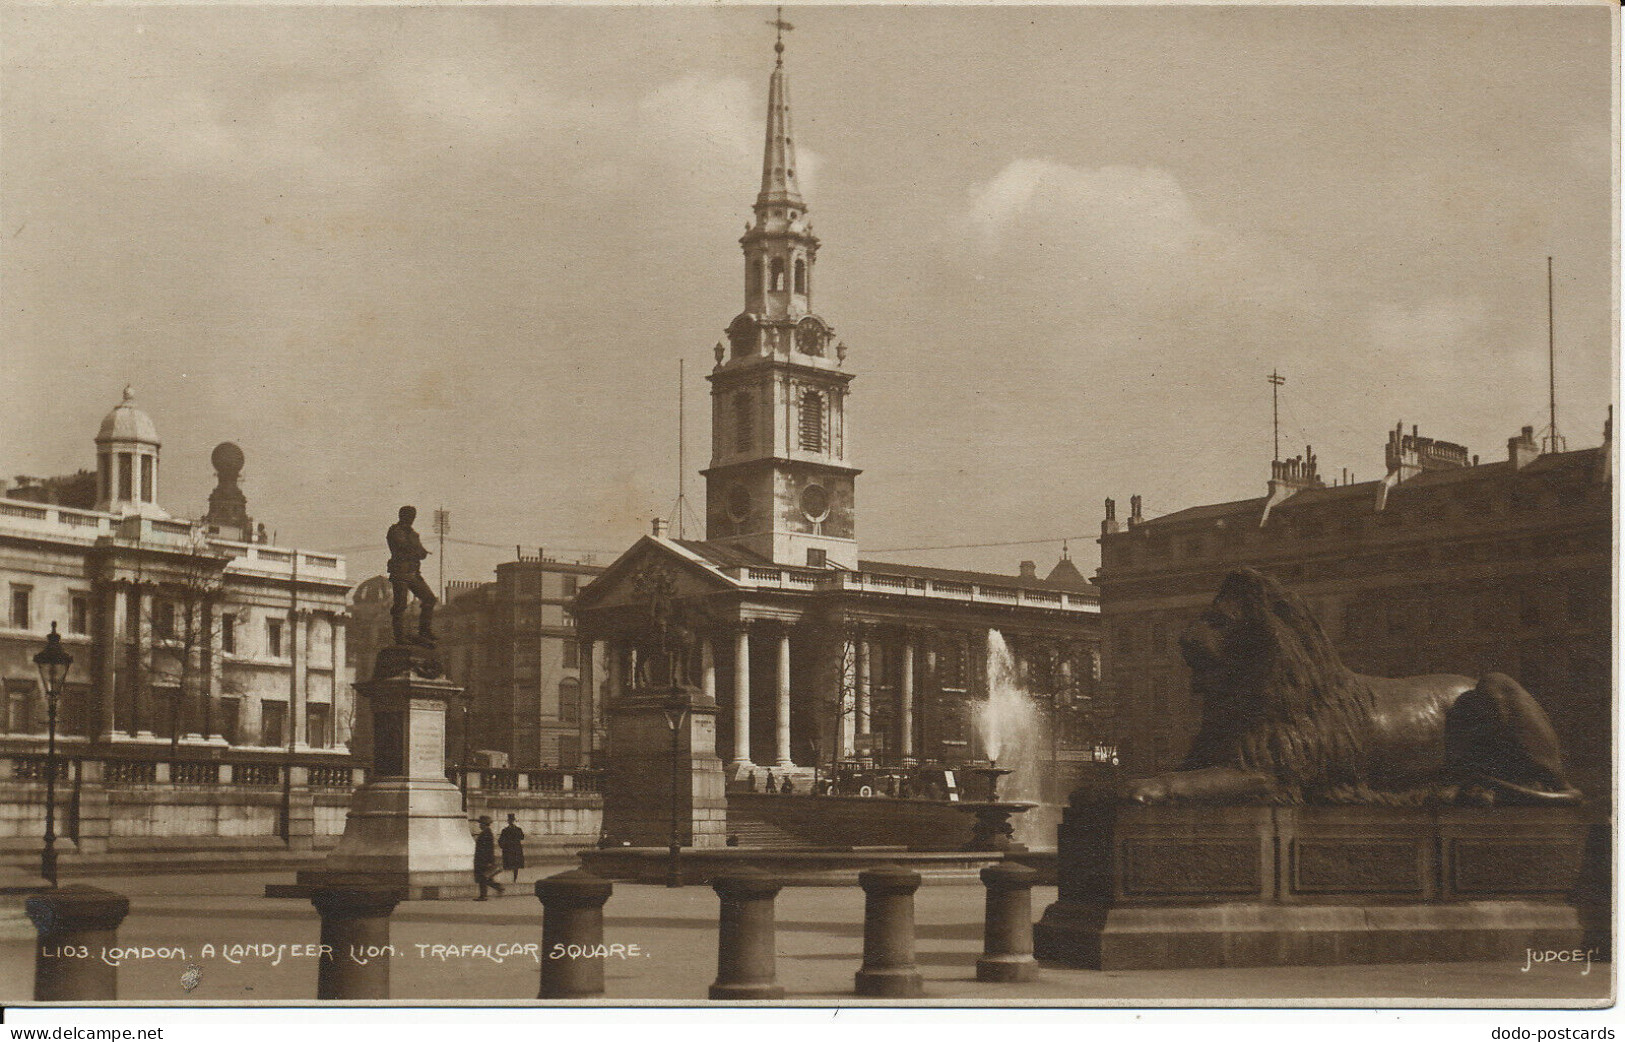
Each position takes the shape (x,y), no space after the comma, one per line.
(708,669)
(116,620)
(69,920)
(299,663)
(905,717)
(741,749)
(140,666)
(209,669)
(613,668)
(355,936)
(848,711)
(343,699)
(864,690)
(592,712)
(781,715)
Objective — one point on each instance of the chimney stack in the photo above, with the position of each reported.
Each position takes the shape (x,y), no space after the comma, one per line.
(1522,450)
(1029,570)
(1110,525)
(660,528)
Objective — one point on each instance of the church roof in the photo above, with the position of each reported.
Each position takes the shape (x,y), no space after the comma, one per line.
(128,423)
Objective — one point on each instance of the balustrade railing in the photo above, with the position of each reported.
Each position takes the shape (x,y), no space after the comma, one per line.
(257,774)
(130,772)
(189,773)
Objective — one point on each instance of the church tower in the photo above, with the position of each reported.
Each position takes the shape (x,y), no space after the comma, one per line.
(780,482)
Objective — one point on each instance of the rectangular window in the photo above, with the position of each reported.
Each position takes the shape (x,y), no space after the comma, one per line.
(273,723)
(126,476)
(817,557)
(812,421)
(273,637)
(569,700)
(146,479)
(22,598)
(319,725)
(569,585)
(569,751)
(572,655)
(163,620)
(228,634)
(79,614)
(19,703)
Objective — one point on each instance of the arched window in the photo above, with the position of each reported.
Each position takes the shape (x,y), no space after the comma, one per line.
(812,421)
(801,275)
(753,278)
(742,424)
(776,275)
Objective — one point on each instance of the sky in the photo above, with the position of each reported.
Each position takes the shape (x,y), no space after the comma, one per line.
(452,256)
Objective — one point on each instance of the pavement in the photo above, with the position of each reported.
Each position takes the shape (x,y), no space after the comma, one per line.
(248,948)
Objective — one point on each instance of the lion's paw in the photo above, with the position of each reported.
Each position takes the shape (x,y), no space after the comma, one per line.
(1147,790)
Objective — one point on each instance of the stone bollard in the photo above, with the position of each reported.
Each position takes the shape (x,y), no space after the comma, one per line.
(355,934)
(1007,937)
(74,925)
(745,941)
(572,918)
(888,934)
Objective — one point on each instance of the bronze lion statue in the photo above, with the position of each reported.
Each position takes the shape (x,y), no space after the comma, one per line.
(1283,720)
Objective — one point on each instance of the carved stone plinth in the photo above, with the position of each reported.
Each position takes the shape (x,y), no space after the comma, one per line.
(406,827)
(1144,887)
(641,775)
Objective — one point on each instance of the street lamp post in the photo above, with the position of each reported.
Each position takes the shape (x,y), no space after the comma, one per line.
(675,712)
(53,665)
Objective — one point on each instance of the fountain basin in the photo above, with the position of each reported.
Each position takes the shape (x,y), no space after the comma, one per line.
(830,866)
(993,829)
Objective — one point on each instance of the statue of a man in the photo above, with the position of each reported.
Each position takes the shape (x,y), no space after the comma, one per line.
(406,554)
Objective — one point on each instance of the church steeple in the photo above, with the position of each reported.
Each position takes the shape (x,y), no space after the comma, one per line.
(779,186)
(780,482)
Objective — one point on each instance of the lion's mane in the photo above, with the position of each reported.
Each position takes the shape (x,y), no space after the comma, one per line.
(1276,696)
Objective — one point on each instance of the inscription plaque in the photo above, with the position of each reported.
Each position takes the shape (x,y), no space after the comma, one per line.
(1352,866)
(1512,866)
(1190,867)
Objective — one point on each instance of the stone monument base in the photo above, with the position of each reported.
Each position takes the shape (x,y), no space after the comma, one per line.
(1164,887)
(406,827)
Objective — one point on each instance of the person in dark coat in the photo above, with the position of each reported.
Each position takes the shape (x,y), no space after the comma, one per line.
(512,842)
(485,859)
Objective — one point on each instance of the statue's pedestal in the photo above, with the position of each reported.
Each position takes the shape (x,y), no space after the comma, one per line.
(648,758)
(406,827)
(1165,887)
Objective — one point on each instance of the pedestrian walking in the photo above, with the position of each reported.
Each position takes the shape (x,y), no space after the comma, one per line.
(485,859)
(512,842)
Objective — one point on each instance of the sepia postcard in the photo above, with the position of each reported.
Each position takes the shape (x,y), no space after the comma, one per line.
(1012,506)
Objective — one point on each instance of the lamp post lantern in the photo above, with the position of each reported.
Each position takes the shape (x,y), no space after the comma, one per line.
(53,665)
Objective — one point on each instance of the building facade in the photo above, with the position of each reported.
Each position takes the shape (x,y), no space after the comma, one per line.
(813,654)
(1445,565)
(187,636)
(512,645)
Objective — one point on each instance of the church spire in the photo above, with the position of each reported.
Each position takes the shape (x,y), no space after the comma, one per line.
(779,187)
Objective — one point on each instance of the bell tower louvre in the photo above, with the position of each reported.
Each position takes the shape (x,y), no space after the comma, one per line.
(780,483)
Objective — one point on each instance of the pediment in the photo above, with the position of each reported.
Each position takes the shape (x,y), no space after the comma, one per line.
(651,568)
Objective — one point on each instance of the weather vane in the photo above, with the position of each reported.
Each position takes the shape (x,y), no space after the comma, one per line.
(783,27)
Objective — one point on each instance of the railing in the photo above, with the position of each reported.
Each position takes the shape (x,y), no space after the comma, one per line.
(172,527)
(130,772)
(257,774)
(329,777)
(29,513)
(78,520)
(189,773)
(33,768)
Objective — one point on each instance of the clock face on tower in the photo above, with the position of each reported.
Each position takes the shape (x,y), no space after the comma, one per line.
(815,502)
(810,336)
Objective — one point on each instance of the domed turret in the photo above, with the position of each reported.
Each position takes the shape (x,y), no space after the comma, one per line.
(228,507)
(127,461)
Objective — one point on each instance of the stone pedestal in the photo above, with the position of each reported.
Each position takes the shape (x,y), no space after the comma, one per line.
(638,800)
(1165,887)
(406,829)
